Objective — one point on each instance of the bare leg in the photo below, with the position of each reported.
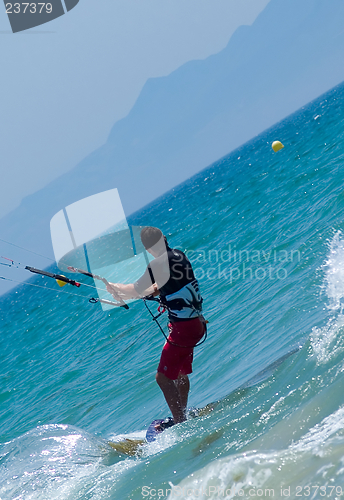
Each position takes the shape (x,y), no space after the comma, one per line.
(183,386)
(172,396)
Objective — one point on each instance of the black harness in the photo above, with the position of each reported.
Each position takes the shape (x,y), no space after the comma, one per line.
(161,312)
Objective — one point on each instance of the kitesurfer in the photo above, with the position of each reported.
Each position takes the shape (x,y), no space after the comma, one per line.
(170,275)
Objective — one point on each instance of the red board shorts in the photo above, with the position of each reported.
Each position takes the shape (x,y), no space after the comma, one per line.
(177,360)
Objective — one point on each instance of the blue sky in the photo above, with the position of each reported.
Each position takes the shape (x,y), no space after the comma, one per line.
(65,83)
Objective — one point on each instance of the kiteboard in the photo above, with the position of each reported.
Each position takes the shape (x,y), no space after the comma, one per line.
(157,427)
(128,446)
(133,447)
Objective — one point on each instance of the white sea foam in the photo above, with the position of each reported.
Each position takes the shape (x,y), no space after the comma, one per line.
(334,273)
(57,462)
(316,460)
(326,340)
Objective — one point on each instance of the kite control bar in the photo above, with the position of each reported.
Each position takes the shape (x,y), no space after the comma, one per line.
(105,281)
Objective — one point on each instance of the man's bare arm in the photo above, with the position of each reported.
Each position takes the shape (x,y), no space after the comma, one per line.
(129,292)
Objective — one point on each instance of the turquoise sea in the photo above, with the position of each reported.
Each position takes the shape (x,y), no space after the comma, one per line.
(265,232)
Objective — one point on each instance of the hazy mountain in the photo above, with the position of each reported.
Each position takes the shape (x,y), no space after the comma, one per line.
(181,123)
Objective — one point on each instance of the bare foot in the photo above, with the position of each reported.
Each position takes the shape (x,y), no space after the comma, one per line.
(165,424)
